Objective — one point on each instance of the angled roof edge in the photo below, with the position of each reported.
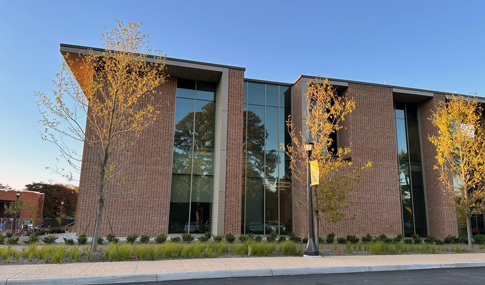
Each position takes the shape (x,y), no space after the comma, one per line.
(85,50)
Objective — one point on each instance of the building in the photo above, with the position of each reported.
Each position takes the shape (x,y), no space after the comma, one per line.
(31,198)
(213,163)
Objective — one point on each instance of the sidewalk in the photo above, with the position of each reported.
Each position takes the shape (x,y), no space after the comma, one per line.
(163,270)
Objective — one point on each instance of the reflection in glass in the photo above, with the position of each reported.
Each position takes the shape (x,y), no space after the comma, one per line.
(272,128)
(256,93)
(271,95)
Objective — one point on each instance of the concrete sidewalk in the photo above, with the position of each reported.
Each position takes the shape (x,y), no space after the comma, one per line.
(179,269)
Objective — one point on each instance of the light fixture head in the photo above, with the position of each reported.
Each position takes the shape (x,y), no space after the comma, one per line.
(308,146)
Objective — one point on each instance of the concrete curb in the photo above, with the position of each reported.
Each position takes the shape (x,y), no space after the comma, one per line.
(254,272)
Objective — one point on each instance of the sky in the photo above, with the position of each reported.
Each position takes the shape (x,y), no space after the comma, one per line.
(435,45)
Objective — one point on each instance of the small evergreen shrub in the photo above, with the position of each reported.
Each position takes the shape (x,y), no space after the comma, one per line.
(187,237)
(429,240)
(367,238)
(100,240)
(230,238)
(40,232)
(32,239)
(161,238)
(258,238)
(321,240)
(13,240)
(330,238)
(439,242)
(479,239)
(112,238)
(144,238)
(9,234)
(131,238)
(304,240)
(382,237)
(463,239)
(341,240)
(217,238)
(271,237)
(294,238)
(282,239)
(451,239)
(205,237)
(417,239)
(49,239)
(2,238)
(352,239)
(82,239)
(398,238)
(408,241)
(176,239)
(69,241)
(243,238)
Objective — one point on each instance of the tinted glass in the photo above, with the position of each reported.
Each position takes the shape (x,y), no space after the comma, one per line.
(184,122)
(271,202)
(272,161)
(414,141)
(285,205)
(271,95)
(254,200)
(182,159)
(204,124)
(255,128)
(202,188)
(272,128)
(256,93)
(255,164)
(185,88)
(205,91)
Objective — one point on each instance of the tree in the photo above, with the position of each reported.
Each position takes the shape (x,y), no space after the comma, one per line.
(460,147)
(54,195)
(114,93)
(338,174)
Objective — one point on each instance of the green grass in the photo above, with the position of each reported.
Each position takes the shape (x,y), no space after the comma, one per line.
(74,252)
(59,254)
(288,248)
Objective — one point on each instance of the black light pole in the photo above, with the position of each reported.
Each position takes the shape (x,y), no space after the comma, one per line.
(311,248)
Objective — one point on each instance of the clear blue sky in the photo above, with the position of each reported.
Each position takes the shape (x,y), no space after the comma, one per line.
(437,45)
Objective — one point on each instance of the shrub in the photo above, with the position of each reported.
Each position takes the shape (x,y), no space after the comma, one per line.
(161,238)
(217,238)
(382,237)
(49,239)
(56,231)
(258,238)
(243,238)
(230,238)
(367,238)
(439,242)
(288,248)
(131,238)
(32,239)
(398,238)
(2,238)
(144,238)
(112,238)
(408,241)
(271,237)
(463,239)
(450,239)
(352,239)
(294,238)
(282,239)
(13,240)
(304,240)
(100,240)
(205,237)
(429,240)
(9,234)
(82,239)
(417,239)
(40,232)
(341,240)
(176,239)
(479,239)
(187,237)
(330,238)
(69,241)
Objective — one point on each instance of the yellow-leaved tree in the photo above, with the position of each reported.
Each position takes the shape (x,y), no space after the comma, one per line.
(337,173)
(104,100)
(460,147)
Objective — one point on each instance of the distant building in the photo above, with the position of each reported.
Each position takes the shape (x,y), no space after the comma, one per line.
(214,162)
(30,198)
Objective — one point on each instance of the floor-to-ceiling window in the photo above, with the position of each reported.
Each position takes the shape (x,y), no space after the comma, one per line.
(410,169)
(266,193)
(193,157)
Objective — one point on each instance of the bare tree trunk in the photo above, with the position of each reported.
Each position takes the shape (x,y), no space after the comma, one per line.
(469,231)
(100,209)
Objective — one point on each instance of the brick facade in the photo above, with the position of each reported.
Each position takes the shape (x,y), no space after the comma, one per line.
(141,203)
(234,157)
(441,214)
(29,197)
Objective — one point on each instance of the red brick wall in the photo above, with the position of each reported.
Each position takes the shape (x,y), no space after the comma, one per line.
(32,198)
(441,215)
(371,135)
(8,195)
(140,203)
(234,157)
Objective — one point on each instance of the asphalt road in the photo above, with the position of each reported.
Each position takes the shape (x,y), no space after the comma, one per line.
(456,276)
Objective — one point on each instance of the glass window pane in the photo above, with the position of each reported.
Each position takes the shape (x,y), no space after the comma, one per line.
(285,205)
(271,206)
(412,112)
(184,122)
(255,128)
(205,91)
(402,148)
(185,88)
(272,161)
(256,93)
(245,92)
(204,161)
(182,159)
(255,164)
(200,217)
(284,166)
(272,128)
(180,188)
(285,97)
(202,188)
(419,210)
(414,141)
(272,95)
(179,216)
(204,124)
(254,205)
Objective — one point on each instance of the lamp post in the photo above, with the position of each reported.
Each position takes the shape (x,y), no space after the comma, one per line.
(311,248)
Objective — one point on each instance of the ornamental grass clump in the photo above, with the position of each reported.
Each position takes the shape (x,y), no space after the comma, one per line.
(400,247)
(187,250)
(172,250)
(74,252)
(141,251)
(29,252)
(44,252)
(59,254)
(198,248)
(288,248)
(117,251)
(12,252)
(263,248)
